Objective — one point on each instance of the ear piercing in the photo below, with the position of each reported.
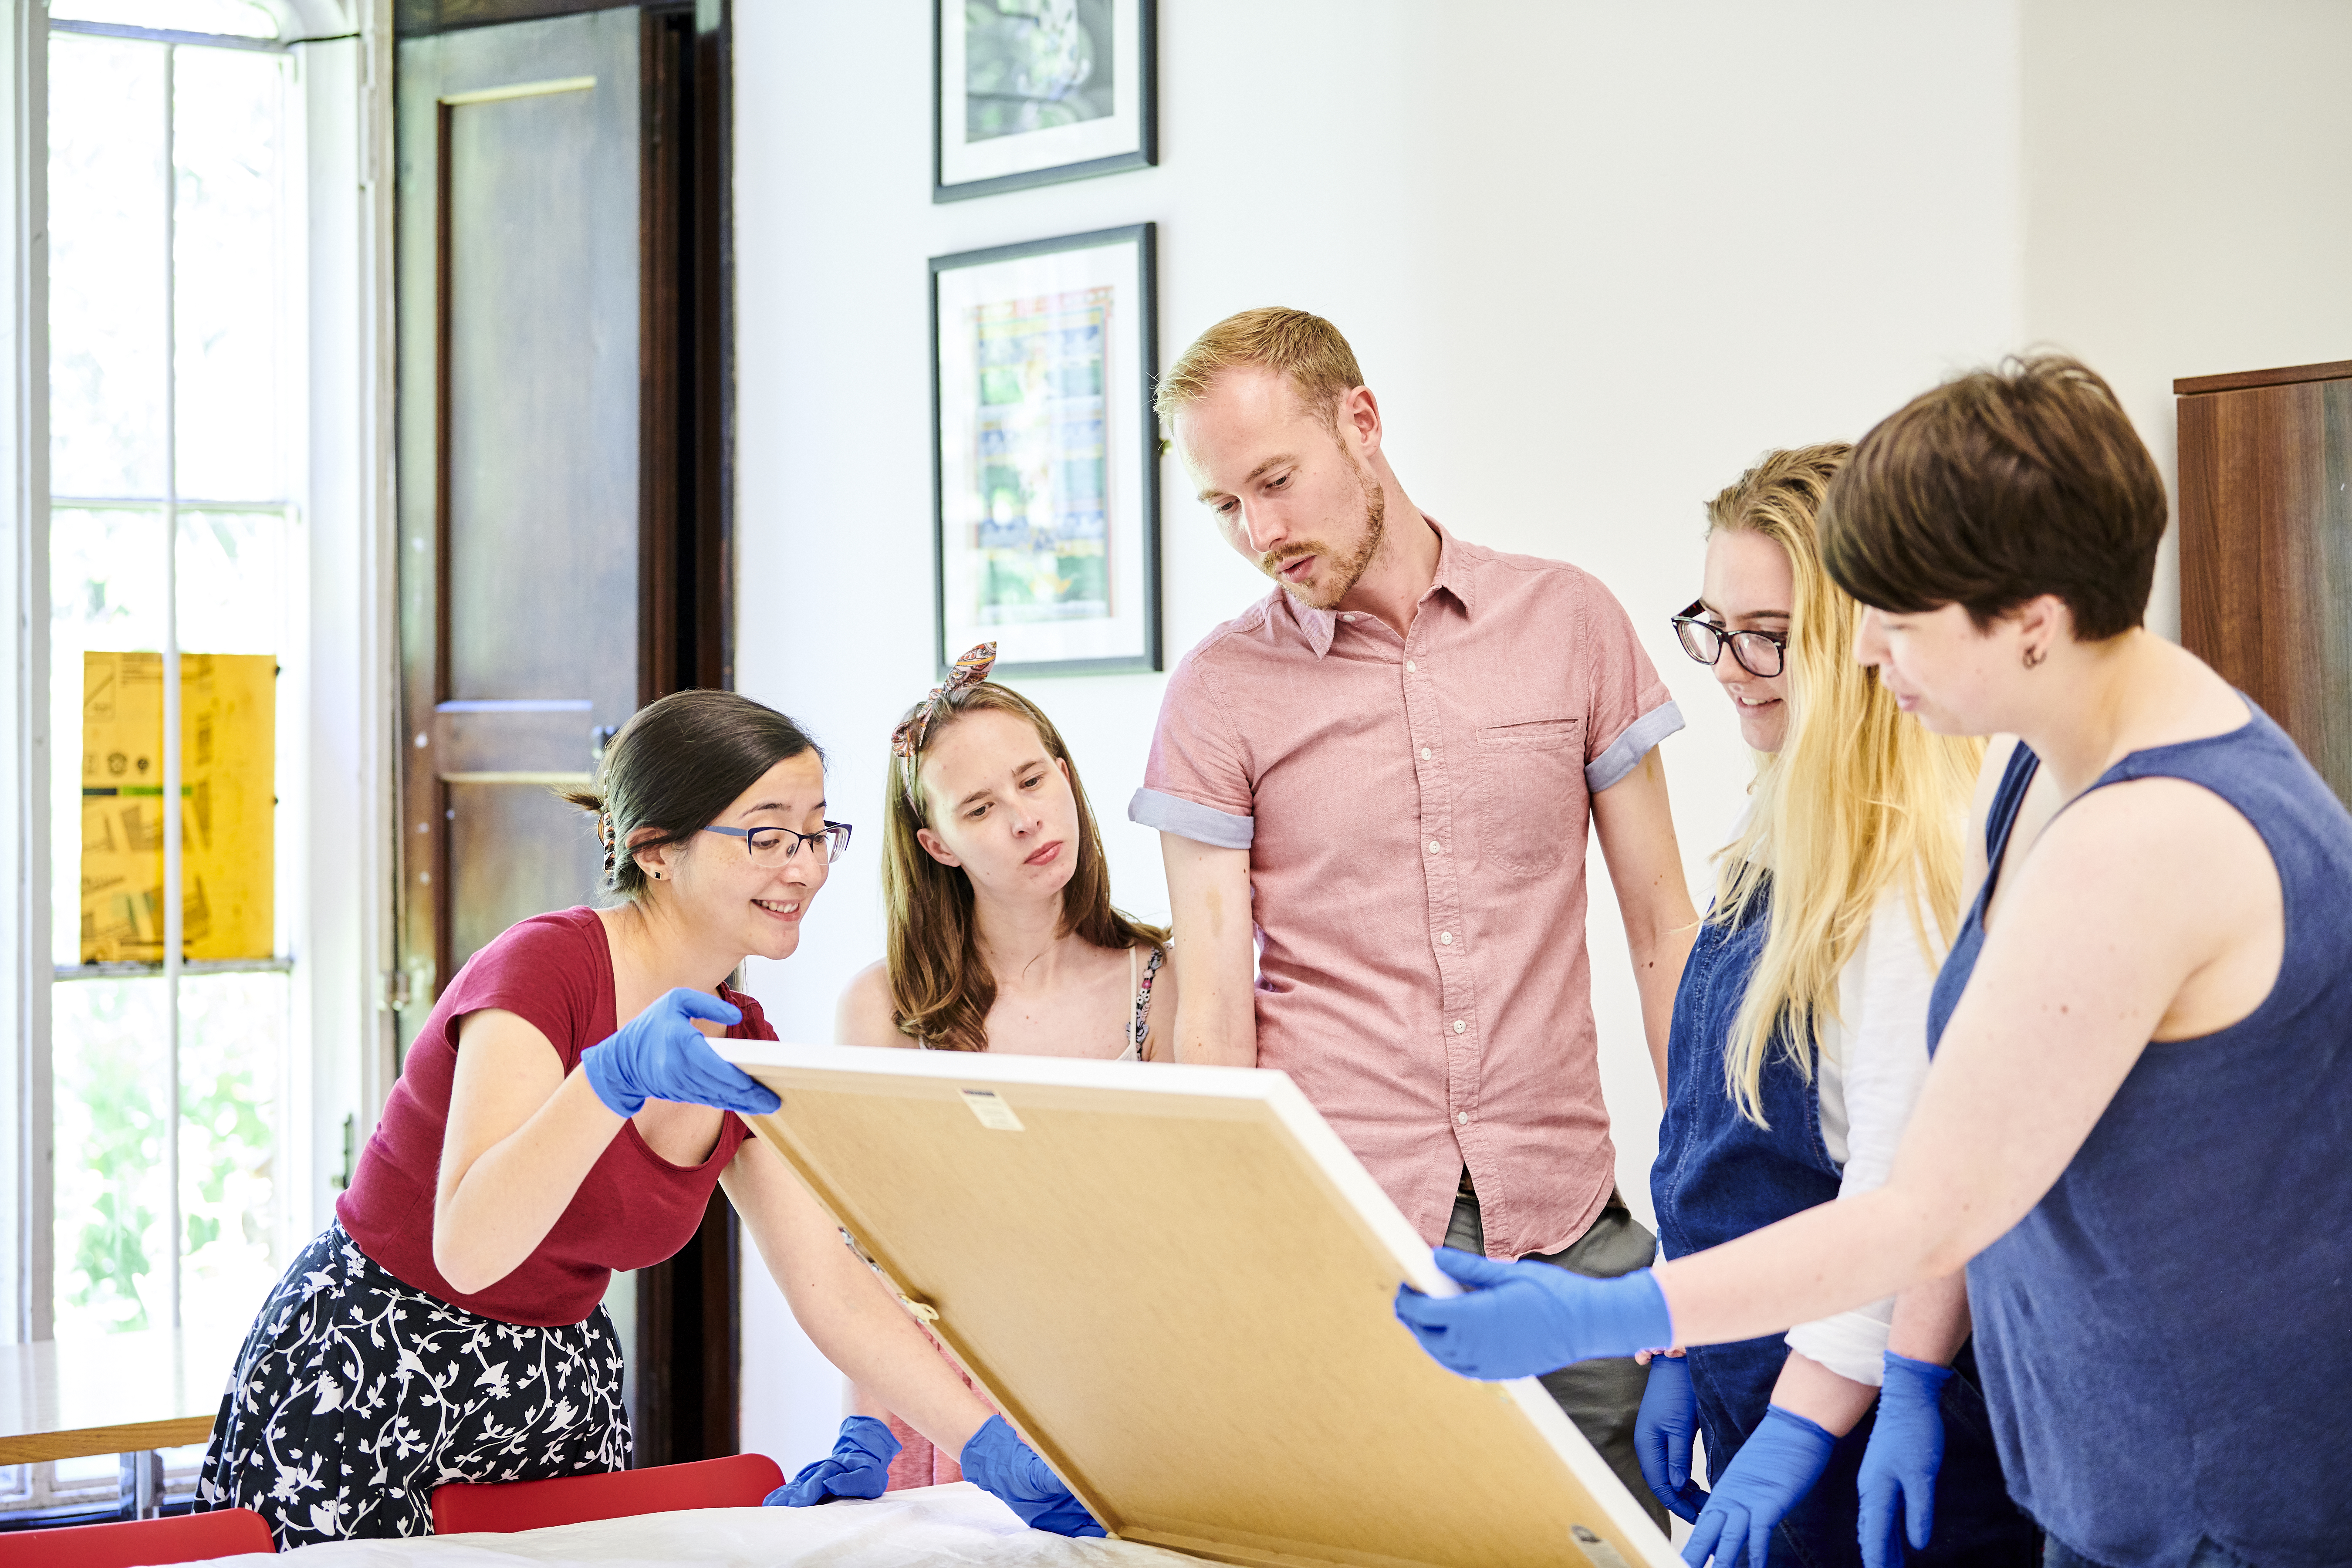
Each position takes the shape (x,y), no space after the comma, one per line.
(2033,656)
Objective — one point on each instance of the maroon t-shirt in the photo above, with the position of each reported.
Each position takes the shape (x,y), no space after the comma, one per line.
(633,1209)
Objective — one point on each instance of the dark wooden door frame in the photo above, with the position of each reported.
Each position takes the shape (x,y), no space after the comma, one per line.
(685,1360)
(687,1353)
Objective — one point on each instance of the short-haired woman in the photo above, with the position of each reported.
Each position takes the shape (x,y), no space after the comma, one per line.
(2132,1133)
(1798,1046)
(560,1115)
(1001,938)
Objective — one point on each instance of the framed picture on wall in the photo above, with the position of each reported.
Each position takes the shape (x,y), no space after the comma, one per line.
(1045,475)
(1026,92)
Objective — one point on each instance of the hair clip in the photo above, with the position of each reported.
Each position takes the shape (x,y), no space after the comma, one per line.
(907,739)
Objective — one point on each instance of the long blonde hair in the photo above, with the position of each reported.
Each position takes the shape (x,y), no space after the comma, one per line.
(1859,799)
(940,985)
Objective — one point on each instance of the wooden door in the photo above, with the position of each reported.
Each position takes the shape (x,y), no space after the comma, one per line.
(562,508)
(2266,547)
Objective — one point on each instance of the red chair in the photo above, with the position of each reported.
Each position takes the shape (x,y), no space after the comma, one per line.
(741,1480)
(185,1538)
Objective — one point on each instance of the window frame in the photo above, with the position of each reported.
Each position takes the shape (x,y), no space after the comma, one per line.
(340,563)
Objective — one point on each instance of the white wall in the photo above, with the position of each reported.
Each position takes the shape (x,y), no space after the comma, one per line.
(1594,259)
(2188,195)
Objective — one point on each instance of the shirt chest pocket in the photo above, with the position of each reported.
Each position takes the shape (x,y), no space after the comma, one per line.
(1531,787)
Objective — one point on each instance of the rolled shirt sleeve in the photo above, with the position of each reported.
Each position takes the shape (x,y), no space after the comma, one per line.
(1884,993)
(1196,782)
(1629,709)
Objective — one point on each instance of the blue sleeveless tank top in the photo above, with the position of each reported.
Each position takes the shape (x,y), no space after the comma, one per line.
(2166,1338)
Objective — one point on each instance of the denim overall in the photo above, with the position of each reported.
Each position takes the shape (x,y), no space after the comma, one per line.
(2166,1338)
(1719,1177)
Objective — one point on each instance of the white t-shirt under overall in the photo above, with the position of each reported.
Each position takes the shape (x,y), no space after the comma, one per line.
(1868,1068)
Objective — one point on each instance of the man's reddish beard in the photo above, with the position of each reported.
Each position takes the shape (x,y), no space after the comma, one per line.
(1340,572)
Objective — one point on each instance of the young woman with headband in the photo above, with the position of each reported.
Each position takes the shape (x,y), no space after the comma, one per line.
(1001,938)
(562,1115)
(1798,1046)
(2132,1133)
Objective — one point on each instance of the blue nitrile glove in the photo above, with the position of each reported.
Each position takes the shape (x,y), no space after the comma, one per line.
(859,1466)
(996,1460)
(1662,1436)
(660,1055)
(1520,1319)
(1770,1475)
(1907,1449)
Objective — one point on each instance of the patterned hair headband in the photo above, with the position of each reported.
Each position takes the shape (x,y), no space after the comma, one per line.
(907,739)
(604,837)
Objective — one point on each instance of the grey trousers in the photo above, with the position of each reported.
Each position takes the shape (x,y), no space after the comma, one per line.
(1601,1397)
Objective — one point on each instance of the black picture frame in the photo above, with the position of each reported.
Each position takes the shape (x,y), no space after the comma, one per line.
(1132,475)
(1143,154)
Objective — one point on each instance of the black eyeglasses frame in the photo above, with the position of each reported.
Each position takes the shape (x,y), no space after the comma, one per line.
(835,834)
(1692,619)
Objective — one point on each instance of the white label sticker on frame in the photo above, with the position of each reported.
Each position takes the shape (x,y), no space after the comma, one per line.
(992,1110)
(1599,1552)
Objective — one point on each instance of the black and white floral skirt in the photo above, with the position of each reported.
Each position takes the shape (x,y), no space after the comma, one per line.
(356,1395)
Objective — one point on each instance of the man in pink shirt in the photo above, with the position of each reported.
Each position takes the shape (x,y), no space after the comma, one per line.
(1376,783)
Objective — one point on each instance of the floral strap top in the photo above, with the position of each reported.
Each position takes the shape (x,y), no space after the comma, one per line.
(1139,1024)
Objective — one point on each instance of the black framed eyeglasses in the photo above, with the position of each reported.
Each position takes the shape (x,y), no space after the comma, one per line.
(1760,654)
(775,845)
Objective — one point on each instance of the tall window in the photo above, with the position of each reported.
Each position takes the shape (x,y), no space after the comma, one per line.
(173,451)
(178,561)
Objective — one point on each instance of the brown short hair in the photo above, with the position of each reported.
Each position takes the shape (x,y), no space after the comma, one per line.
(1995,488)
(1305,348)
(675,766)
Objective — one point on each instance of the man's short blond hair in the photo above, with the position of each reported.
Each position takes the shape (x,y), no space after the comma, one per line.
(1305,348)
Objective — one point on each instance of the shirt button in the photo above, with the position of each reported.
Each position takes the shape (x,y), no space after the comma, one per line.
(1459,1026)
(1445,937)
(1409,666)
(1424,754)
(1461,1119)
(1350,617)
(1433,846)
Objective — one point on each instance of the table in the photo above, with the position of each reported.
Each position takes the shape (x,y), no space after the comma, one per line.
(956,1524)
(124,1393)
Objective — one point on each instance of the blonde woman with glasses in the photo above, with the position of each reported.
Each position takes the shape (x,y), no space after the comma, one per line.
(1798,1046)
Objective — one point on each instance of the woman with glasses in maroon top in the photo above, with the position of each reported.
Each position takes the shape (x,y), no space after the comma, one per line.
(448,1325)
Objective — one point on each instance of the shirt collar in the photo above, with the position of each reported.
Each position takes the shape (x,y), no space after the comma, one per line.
(1454,569)
(1454,575)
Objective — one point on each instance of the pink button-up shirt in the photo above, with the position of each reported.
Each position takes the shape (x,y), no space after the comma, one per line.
(1415,812)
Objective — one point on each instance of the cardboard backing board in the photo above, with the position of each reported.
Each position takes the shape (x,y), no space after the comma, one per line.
(1177,1281)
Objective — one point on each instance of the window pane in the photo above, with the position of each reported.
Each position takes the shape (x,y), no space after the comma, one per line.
(233,1032)
(106,267)
(109,1050)
(230,281)
(106,595)
(237,16)
(232,582)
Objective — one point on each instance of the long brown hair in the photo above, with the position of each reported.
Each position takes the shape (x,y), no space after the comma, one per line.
(940,987)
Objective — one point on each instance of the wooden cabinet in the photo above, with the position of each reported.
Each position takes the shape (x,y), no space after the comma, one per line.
(2267,546)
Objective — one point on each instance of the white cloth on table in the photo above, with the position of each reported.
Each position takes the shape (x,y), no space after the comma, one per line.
(957,1525)
(1870,1063)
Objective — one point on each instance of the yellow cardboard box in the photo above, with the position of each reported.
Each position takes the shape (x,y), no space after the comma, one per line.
(228,741)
